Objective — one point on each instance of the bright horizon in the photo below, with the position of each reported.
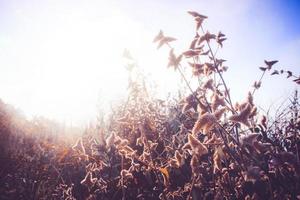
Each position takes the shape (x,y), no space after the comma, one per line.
(60,59)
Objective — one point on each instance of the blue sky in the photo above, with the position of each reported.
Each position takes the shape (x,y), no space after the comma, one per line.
(57,57)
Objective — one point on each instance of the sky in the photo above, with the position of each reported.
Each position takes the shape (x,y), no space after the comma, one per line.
(62,59)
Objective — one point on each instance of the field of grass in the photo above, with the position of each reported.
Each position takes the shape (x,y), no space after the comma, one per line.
(199,145)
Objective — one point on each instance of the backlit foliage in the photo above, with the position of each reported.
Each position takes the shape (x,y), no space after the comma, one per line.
(199,146)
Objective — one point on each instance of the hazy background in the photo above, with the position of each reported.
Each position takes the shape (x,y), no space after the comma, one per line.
(60,59)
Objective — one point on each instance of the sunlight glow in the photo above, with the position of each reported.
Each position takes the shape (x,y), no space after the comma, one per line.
(69,64)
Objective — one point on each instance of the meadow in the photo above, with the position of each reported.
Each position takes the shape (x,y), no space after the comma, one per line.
(197,144)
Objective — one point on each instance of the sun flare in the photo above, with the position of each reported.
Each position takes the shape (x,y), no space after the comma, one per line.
(68,63)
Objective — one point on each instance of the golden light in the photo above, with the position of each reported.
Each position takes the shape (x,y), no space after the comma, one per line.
(68,63)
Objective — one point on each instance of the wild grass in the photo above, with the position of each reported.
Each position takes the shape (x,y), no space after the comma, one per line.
(199,146)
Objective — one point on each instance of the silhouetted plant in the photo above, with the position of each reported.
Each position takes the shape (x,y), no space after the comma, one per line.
(201,146)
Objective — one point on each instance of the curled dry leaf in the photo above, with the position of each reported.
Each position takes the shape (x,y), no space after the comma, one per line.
(220,62)
(205,53)
(197,147)
(199,21)
(189,102)
(125,174)
(146,157)
(89,181)
(220,34)
(196,65)
(263,121)
(223,69)
(221,38)
(165,40)
(159,36)
(91,167)
(252,174)
(243,116)
(198,18)
(218,154)
(253,112)
(209,84)
(218,113)
(126,151)
(139,141)
(275,72)
(209,68)
(263,68)
(270,63)
(152,145)
(191,53)
(250,99)
(196,14)
(214,140)
(202,107)
(217,101)
(195,163)
(205,122)
(161,39)
(78,146)
(173,60)
(249,139)
(110,139)
(121,142)
(179,158)
(220,41)
(262,147)
(166,176)
(257,84)
(289,74)
(297,81)
(193,44)
(206,37)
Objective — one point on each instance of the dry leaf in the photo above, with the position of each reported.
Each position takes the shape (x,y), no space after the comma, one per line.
(263,68)
(195,14)
(243,116)
(297,81)
(205,122)
(166,176)
(289,74)
(191,53)
(275,72)
(257,84)
(197,147)
(270,63)
(159,36)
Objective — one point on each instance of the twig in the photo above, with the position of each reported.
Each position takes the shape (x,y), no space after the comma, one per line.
(192,187)
(122,178)
(218,71)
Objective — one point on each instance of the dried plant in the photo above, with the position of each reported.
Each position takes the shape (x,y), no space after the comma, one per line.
(194,146)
